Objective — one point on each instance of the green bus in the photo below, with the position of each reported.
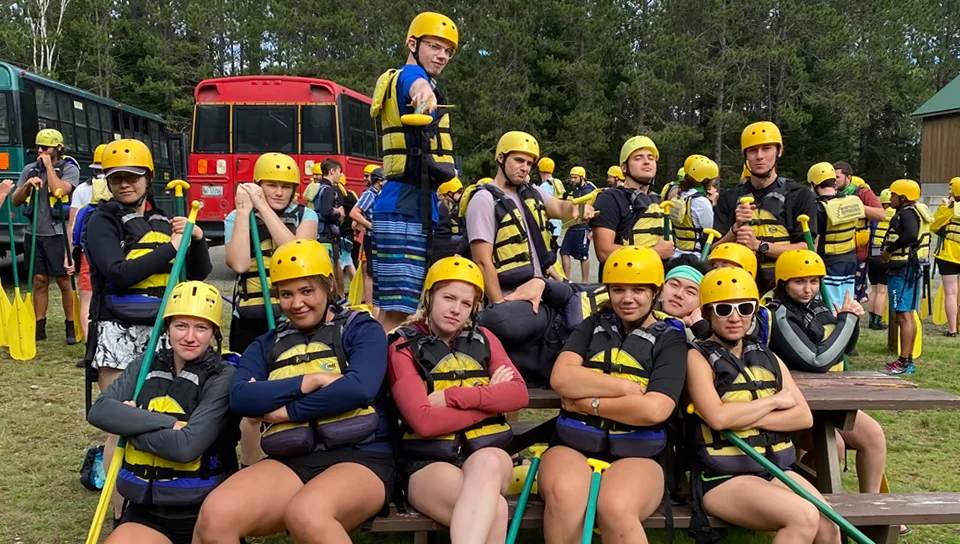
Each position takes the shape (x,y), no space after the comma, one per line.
(30,103)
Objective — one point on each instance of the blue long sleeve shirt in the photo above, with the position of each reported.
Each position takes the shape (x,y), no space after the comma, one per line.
(365,348)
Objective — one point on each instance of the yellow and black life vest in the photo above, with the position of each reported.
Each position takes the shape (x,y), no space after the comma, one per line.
(139,304)
(880,232)
(466,365)
(511,248)
(247,292)
(947,227)
(296,354)
(843,214)
(921,249)
(769,222)
(687,236)
(583,305)
(645,226)
(753,376)
(148,479)
(629,356)
(394,133)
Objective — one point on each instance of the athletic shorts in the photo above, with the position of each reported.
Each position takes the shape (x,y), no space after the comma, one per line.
(346,259)
(903,288)
(710,480)
(118,344)
(311,465)
(877,271)
(174,524)
(48,260)
(861,292)
(83,275)
(368,254)
(948,268)
(576,244)
(244,331)
(399,263)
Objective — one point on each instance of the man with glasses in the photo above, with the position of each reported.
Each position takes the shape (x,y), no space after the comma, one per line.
(40,180)
(405,211)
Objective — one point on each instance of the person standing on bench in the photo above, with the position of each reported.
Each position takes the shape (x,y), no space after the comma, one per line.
(316,382)
(737,383)
(619,377)
(452,381)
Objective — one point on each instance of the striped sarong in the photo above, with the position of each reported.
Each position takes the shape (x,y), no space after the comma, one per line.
(399,261)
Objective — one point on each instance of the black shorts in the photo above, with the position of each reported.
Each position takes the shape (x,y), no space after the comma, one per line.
(310,465)
(576,244)
(948,268)
(710,480)
(176,524)
(877,271)
(244,331)
(50,254)
(368,254)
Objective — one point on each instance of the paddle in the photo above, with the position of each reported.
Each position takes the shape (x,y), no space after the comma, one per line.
(666,219)
(33,252)
(775,471)
(264,286)
(77,328)
(711,236)
(22,338)
(93,536)
(178,186)
(804,221)
(588,521)
(525,494)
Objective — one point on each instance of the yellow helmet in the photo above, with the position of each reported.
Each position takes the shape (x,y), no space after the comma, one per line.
(368,169)
(195,299)
(799,263)
(616,172)
(907,188)
(955,186)
(635,143)
(688,162)
(579,171)
(859,182)
(434,24)
(885,196)
(450,187)
(701,169)
(760,133)
(516,141)
(98,157)
(127,156)
(299,259)
(276,167)
(484,181)
(727,284)
(821,172)
(50,137)
(737,254)
(546,165)
(633,265)
(316,170)
(455,268)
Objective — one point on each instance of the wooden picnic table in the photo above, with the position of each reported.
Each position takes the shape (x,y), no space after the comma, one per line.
(834,399)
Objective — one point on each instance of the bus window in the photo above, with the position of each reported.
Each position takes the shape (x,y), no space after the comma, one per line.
(360,137)
(66,108)
(105,123)
(155,138)
(212,129)
(127,125)
(318,124)
(261,129)
(93,115)
(46,103)
(4,119)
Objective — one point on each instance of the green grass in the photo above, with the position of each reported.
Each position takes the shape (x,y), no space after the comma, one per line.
(43,436)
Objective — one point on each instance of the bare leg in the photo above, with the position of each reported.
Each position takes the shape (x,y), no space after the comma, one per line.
(881,300)
(41,285)
(630,490)
(908,333)
(950,301)
(252,502)
(134,533)
(106,376)
(754,503)
(66,293)
(585,270)
(250,451)
(85,297)
(565,263)
(564,481)
(868,440)
(336,501)
(391,319)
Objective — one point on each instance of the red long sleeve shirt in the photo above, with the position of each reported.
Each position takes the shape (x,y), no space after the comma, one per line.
(466,406)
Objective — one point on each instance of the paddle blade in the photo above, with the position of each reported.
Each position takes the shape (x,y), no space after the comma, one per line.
(939,307)
(924,306)
(77,326)
(26,331)
(355,296)
(93,536)
(5,310)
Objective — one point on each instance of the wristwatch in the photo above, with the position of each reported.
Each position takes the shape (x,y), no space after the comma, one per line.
(595,404)
(764,248)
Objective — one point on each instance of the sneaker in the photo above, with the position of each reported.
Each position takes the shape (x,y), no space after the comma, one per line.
(893,368)
(71,337)
(905,530)
(873,326)
(950,334)
(853,353)
(88,476)
(41,329)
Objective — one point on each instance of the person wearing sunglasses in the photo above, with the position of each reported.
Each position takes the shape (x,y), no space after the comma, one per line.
(52,172)
(406,210)
(736,383)
(733,255)
(808,337)
(619,376)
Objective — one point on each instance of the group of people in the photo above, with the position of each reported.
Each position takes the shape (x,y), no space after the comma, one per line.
(339,411)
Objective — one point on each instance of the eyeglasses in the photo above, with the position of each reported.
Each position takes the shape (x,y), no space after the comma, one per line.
(117,180)
(725,309)
(43,148)
(436,48)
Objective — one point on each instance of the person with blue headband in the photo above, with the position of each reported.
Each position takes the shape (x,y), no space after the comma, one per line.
(680,297)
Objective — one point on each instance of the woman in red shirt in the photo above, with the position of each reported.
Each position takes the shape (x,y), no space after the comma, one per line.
(452,381)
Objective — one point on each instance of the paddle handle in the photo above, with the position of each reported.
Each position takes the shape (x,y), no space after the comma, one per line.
(776,472)
(33,245)
(711,236)
(61,200)
(591,514)
(264,287)
(13,245)
(666,219)
(522,501)
(746,201)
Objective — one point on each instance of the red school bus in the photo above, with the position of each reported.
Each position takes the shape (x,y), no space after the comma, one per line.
(236,119)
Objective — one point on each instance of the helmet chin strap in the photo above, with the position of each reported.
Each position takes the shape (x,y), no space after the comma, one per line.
(502,165)
(727,343)
(629,175)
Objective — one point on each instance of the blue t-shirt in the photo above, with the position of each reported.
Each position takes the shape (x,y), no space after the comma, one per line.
(231,219)
(404,197)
